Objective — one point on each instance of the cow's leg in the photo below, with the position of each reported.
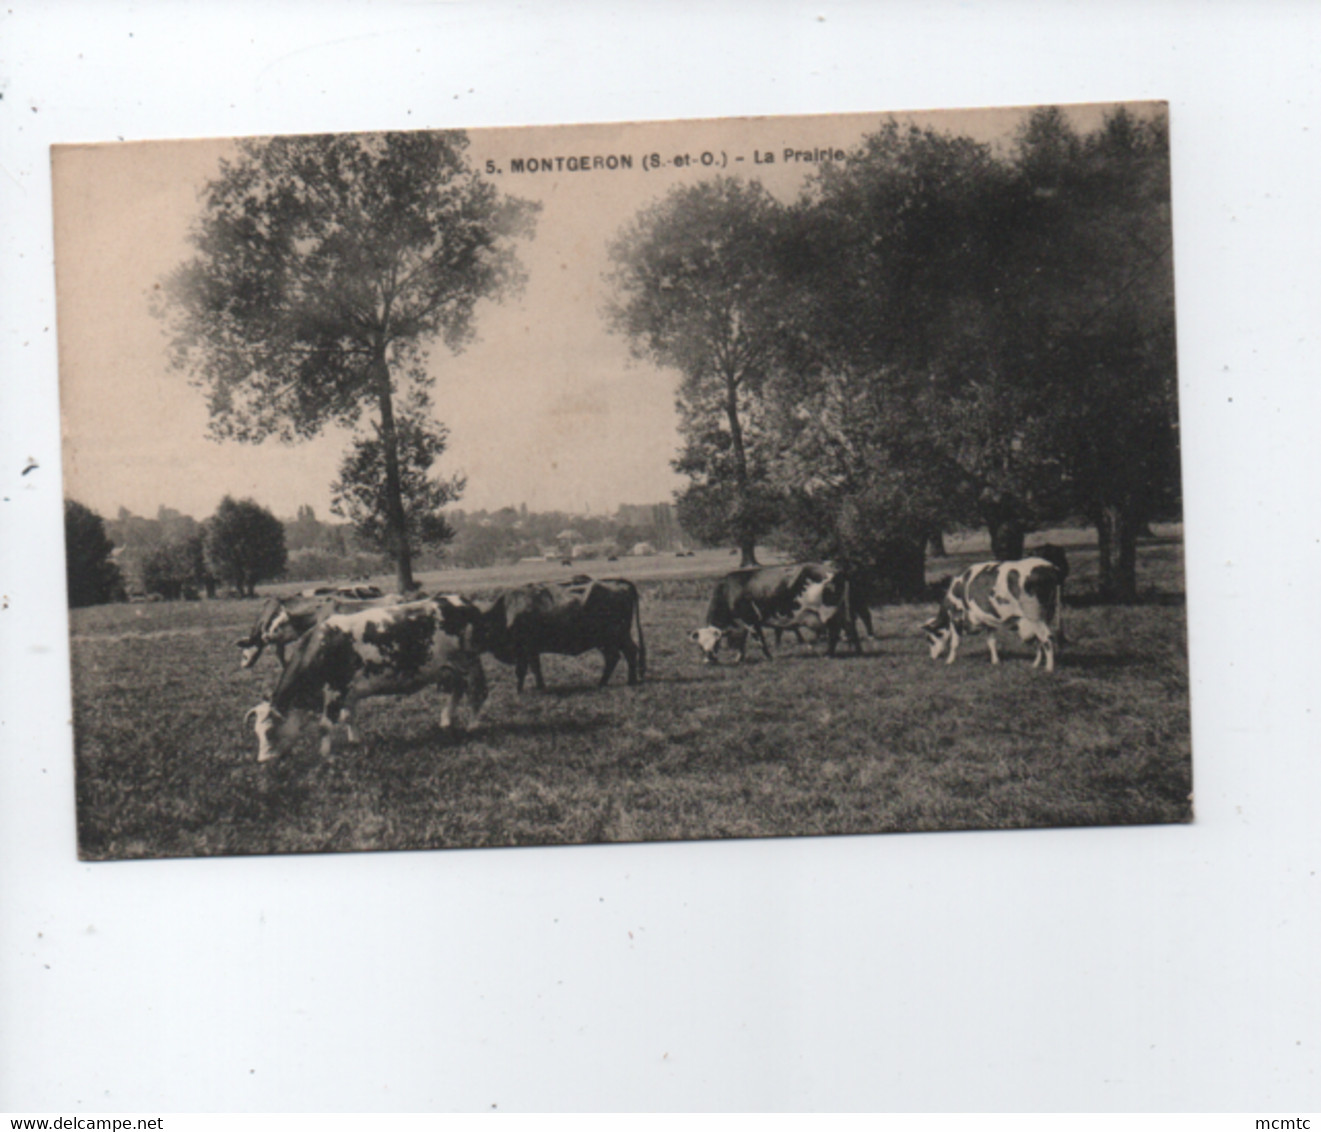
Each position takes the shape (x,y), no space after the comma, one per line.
(993,646)
(631,659)
(1045,649)
(520,670)
(476,682)
(346,718)
(938,645)
(611,656)
(447,707)
(534,661)
(953,645)
(327,735)
(761,638)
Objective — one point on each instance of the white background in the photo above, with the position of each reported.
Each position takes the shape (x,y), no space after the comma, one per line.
(1084,970)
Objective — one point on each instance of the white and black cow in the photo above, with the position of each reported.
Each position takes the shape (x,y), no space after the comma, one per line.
(1022,595)
(281,621)
(567,618)
(802,595)
(391,651)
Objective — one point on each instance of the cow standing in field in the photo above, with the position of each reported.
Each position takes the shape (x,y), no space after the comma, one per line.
(1021,595)
(804,595)
(347,657)
(568,618)
(863,593)
(281,621)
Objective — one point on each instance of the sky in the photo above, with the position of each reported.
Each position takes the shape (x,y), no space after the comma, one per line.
(545,406)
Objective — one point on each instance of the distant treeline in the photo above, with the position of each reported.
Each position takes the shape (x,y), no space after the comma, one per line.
(162,555)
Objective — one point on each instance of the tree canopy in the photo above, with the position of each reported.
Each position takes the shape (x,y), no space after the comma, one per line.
(936,334)
(244,544)
(360,494)
(93,578)
(324,267)
(696,291)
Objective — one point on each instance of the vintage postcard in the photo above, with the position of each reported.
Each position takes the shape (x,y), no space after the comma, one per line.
(626,482)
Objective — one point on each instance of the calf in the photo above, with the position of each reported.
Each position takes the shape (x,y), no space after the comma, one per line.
(1021,595)
(803,595)
(347,657)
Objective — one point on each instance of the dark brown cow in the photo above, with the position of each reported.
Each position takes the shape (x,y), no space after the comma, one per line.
(568,618)
(802,595)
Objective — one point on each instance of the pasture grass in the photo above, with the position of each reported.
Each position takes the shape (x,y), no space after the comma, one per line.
(801,745)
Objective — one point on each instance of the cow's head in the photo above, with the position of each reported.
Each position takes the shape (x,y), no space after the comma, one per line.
(251,650)
(708,639)
(937,632)
(275,732)
(273,626)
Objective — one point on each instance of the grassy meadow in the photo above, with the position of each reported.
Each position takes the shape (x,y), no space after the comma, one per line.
(800,745)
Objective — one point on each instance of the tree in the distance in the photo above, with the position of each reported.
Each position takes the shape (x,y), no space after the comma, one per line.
(178,569)
(361,492)
(92,577)
(324,267)
(244,544)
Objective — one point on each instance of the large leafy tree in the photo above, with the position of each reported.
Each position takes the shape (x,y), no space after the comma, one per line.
(1100,313)
(361,494)
(93,578)
(991,339)
(697,290)
(324,267)
(244,544)
(174,569)
(891,251)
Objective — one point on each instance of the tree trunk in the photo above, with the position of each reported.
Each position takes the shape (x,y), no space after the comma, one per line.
(1126,554)
(1105,561)
(747,541)
(394,498)
(1007,538)
(1117,551)
(1007,528)
(903,568)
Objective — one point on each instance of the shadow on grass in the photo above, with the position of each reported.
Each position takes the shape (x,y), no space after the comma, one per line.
(570,691)
(536,727)
(1092,599)
(1099,662)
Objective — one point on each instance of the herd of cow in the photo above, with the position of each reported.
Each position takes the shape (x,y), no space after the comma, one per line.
(353,643)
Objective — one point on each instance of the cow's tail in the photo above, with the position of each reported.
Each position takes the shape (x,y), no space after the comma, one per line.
(642,645)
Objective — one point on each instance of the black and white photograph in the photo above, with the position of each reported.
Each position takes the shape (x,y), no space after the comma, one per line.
(685,480)
(648,558)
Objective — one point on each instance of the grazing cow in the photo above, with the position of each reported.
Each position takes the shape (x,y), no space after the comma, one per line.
(281,621)
(389,651)
(804,595)
(568,618)
(863,594)
(1020,595)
